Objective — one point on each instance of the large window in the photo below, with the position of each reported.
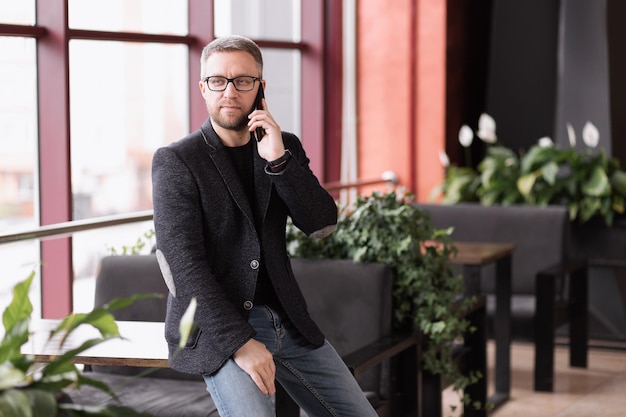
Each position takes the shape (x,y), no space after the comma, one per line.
(18,159)
(132,68)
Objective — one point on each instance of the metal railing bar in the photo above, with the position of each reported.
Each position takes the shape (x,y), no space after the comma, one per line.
(68,228)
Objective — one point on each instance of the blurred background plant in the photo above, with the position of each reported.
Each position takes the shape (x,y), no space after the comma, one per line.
(588,182)
(388,228)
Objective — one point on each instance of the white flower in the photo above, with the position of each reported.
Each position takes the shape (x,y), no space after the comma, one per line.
(545,142)
(487,128)
(443,158)
(571,134)
(591,135)
(509,162)
(466,136)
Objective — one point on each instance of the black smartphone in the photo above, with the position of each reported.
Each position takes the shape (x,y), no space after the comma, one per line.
(260,132)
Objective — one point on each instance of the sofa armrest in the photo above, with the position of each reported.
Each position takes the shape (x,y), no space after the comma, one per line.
(377,352)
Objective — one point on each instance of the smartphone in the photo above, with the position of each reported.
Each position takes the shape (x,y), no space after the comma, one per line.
(260,132)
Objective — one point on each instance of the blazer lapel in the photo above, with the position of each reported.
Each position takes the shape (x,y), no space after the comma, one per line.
(262,182)
(226,169)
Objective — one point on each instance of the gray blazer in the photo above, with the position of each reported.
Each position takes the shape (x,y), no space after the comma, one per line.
(208,246)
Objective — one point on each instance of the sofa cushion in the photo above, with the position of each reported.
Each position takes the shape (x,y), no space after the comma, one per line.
(540,235)
(124,276)
(351,302)
(541,238)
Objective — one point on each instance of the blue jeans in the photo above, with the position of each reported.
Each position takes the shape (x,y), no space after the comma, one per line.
(316,378)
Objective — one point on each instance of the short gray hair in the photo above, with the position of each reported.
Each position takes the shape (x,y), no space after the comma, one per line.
(232,43)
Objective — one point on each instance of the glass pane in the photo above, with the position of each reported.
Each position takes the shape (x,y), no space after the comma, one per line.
(120,112)
(91,246)
(267,19)
(18,162)
(143,16)
(281,70)
(17,12)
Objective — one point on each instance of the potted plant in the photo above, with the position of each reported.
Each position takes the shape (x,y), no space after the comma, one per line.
(588,182)
(388,228)
(31,389)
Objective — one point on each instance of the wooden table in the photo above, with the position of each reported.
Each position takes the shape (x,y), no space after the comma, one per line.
(472,256)
(142,344)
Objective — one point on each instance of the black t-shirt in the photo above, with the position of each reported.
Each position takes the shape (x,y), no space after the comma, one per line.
(243,160)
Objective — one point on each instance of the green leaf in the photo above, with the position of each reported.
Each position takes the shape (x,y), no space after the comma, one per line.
(20,307)
(10,376)
(15,337)
(120,303)
(42,403)
(549,171)
(598,184)
(63,364)
(15,403)
(525,183)
(618,182)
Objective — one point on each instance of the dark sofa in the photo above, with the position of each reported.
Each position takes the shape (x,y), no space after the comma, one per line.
(350,301)
(548,288)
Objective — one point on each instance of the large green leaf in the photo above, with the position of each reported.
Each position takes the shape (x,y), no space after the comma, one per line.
(20,307)
(14,338)
(10,376)
(100,317)
(525,183)
(27,403)
(618,182)
(42,403)
(63,364)
(549,171)
(597,185)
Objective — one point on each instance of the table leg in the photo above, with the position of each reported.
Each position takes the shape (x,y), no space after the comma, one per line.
(502,322)
(502,328)
(578,309)
(471,279)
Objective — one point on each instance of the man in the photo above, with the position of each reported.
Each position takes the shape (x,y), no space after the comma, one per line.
(221,200)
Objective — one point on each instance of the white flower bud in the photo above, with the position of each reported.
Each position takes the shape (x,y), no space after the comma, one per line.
(443,158)
(571,134)
(466,136)
(591,135)
(545,142)
(487,128)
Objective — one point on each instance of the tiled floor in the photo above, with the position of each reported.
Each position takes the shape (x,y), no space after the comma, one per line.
(597,391)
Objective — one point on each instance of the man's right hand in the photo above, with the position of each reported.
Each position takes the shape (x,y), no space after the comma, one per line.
(254,358)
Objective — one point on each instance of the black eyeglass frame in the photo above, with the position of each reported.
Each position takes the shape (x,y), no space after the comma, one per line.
(231,80)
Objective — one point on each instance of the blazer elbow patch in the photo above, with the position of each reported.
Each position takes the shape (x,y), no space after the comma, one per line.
(166,272)
(323,232)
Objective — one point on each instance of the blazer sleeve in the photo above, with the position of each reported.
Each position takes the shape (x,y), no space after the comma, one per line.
(312,209)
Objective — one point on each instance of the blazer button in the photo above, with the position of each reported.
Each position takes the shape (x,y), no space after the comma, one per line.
(254,264)
(248,305)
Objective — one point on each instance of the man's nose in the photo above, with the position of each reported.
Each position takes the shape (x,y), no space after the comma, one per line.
(230,89)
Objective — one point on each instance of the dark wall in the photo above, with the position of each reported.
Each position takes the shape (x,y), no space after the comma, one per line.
(583,75)
(521,89)
(467,59)
(616,29)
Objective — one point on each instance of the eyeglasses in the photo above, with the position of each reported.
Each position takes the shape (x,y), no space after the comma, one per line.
(243,83)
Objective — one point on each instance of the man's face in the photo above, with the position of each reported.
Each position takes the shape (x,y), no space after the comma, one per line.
(230,108)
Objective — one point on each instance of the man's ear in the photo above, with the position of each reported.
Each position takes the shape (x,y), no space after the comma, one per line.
(202,86)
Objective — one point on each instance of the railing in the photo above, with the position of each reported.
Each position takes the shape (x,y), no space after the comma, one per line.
(68,228)
(65,229)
